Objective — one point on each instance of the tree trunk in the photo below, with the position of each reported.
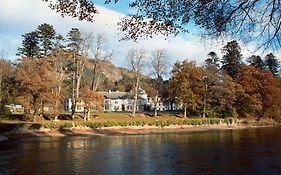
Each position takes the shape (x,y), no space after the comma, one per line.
(34,115)
(184,112)
(204,108)
(155,104)
(1,73)
(135,97)
(96,76)
(85,114)
(204,101)
(73,108)
(73,101)
(88,114)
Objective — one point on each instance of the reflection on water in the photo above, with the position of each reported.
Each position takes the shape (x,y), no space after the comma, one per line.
(250,151)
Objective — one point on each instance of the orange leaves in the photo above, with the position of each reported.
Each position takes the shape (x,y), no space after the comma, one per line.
(187,84)
(35,83)
(263,93)
(92,99)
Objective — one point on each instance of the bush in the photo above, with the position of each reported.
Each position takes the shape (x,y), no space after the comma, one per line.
(66,126)
(214,121)
(92,125)
(205,121)
(5,110)
(50,126)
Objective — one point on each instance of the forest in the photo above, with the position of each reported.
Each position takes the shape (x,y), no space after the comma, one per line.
(51,68)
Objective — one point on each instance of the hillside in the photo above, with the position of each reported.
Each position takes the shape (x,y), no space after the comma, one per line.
(110,74)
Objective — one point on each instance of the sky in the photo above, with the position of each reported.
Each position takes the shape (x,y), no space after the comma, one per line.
(18,17)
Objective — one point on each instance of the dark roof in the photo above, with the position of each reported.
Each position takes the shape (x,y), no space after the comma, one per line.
(117,95)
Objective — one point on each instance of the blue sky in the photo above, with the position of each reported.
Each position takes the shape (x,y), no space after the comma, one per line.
(21,16)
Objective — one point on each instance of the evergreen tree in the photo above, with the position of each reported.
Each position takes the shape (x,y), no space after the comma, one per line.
(232,58)
(74,38)
(256,61)
(212,62)
(272,64)
(46,34)
(30,46)
(76,65)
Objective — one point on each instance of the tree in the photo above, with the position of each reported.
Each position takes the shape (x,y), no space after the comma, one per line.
(46,34)
(212,62)
(136,62)
(76,64)
(249,20)
(223,95)
(263,95)
(256,61)
(6,71)
(158,67)
(81,9)
(30,46)
(35,79)
(92,102)
(101,53)
(125,83)
(210,79)
(272,64)
(186,85)
(219,93)
(232,58)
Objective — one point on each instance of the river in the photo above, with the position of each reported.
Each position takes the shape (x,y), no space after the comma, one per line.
(245,151)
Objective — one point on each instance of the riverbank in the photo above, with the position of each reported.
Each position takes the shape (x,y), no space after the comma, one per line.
(123,124)
(117,130)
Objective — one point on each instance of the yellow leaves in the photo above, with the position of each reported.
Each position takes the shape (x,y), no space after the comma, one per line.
(187,84)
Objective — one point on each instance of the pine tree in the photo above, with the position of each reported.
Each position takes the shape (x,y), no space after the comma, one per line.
(256,61)
(46,34)
(232,58)
(76,64)
(30,45)
(74,38)
(212,62)
(272,64)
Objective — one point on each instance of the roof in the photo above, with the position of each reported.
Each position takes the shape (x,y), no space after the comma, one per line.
(117,95)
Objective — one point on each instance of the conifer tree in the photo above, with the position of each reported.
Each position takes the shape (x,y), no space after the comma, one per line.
(256,61)
(30,46)
(272,64)
(46,34)
(232,58)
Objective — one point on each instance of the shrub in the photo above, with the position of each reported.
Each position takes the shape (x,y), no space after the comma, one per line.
(92,125)
(50,125)
(35,126)
(205,121)
(5,110)
(66,125)
(214,121)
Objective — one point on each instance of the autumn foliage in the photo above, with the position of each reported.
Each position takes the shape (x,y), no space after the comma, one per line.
(254,93)
(262,93)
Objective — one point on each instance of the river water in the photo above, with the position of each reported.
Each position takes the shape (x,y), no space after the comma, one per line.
(246,151)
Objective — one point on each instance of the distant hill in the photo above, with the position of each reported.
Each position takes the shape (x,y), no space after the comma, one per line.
(110,74)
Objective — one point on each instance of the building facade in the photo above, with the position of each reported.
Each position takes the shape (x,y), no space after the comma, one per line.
(123,101)
(115,101)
